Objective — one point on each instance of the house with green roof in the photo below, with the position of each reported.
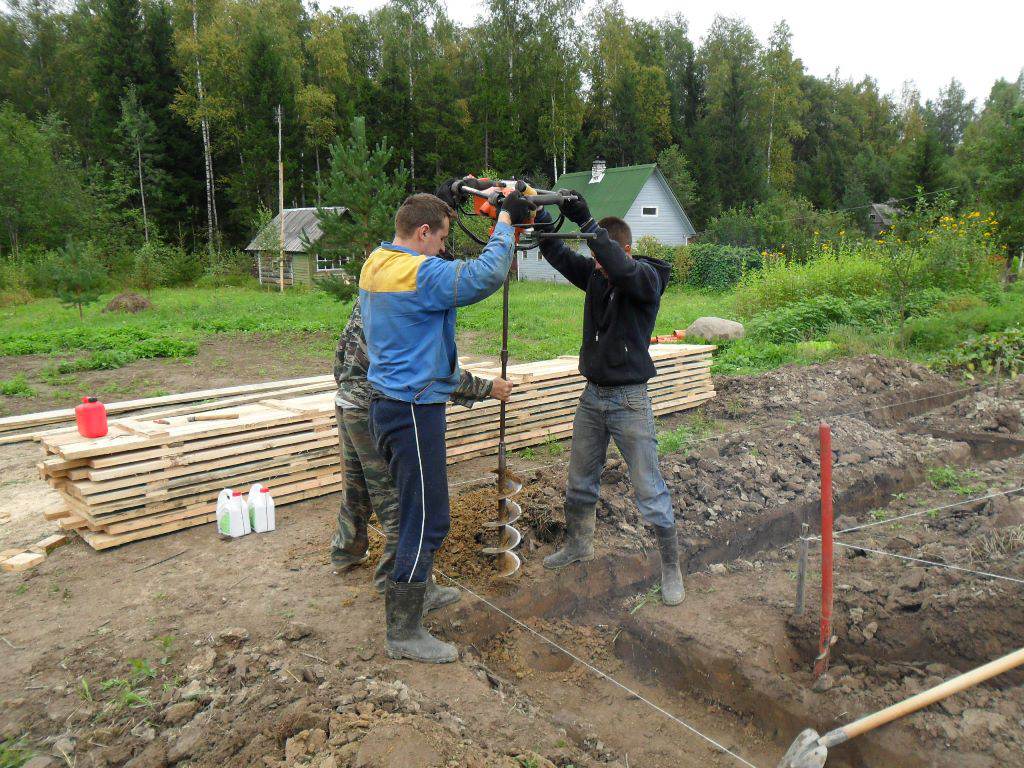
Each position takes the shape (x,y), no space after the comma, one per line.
(637,193)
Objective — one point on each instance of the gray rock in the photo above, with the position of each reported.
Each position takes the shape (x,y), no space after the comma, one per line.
(201,662)
(233,636)
(186,744)
(296,631)
(715,329)
(153,756)
(180,712)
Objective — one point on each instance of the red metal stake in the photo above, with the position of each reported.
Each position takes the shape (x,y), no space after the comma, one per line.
(825,641)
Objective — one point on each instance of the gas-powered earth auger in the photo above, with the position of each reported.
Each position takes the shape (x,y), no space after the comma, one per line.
(487,195)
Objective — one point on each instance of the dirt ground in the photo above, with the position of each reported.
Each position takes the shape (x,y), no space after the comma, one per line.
(189,650)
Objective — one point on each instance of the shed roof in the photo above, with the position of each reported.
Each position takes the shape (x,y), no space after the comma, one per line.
(612,195)
(299,224)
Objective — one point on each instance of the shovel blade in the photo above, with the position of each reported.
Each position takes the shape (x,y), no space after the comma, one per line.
(805,752)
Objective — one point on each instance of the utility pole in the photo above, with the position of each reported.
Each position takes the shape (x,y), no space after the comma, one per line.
(280,202)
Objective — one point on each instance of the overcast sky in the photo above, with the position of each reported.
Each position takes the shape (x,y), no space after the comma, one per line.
(927,42)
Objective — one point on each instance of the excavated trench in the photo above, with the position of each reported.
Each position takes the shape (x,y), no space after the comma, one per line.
(691,671)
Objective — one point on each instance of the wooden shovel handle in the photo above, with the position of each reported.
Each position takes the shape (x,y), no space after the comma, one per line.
(212,416)
(938,693)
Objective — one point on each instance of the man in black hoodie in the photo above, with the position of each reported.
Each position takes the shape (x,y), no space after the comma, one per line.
(621,305)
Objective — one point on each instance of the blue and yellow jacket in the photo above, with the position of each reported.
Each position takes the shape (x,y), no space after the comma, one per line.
(408,303)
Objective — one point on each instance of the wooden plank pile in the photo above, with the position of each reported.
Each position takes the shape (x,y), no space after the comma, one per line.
(15,429)
(152,476)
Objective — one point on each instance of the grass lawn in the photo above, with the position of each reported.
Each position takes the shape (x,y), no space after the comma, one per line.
(546,321)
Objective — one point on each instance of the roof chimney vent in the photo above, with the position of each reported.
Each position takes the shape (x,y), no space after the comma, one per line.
(597,170)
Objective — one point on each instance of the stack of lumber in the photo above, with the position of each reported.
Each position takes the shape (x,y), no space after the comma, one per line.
(14,429)
(145,478)
(545,396)
(149,477)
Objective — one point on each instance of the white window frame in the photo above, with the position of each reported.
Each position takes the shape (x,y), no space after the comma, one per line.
(645,208)
(337,262)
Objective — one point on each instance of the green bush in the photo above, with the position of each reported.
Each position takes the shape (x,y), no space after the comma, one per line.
(110,359)
(228,268)
(987,353)
(16,387)
(339,287)
(749,356)
(937,332)
(677,256)
(782,224)
(812,318)
(227,280)
(718,267)
(179,267)
(846,272)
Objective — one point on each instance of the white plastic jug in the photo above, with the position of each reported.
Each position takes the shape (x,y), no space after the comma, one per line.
(261,509)
(232,514)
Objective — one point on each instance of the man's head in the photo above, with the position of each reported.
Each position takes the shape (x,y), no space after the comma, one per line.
(422,224)
(619,231)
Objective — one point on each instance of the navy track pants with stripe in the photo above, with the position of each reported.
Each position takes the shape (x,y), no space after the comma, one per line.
(410,438)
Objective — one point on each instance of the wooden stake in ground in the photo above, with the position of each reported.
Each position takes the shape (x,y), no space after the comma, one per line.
(280,200)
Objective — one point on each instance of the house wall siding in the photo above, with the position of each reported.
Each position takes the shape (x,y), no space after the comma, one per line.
(668,226)
(301,269)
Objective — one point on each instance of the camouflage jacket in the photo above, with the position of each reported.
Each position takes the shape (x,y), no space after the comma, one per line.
(351,363)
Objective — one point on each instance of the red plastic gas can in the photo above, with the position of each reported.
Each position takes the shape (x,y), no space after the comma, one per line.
(91,417)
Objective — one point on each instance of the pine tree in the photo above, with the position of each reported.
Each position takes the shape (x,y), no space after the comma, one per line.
(78,277)
(120,61)
(360,180)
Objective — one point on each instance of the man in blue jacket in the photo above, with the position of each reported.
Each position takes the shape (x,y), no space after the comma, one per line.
(623,295)
(408,298)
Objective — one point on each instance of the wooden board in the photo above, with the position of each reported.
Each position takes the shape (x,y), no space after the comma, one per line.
(50,543)
(22,562)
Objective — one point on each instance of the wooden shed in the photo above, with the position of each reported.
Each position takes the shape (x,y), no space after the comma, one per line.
(301,227)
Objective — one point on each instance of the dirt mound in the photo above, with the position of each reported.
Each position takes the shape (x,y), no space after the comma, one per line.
(128,302)
(737,478)
(235,704)
(833,387)
(982,410)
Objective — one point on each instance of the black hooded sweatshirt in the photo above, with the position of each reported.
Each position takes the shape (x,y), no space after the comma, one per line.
(620,307)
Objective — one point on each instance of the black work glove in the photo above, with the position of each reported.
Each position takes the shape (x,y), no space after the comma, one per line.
(454,199)
(445,193)
(576,209)
(542,217)
(518,207)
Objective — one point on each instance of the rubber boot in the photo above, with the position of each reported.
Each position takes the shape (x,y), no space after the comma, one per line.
(438,596)
(579,538)
(406,637)
(672,591)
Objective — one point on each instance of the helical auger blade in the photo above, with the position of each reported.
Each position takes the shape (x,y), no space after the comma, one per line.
(502,532)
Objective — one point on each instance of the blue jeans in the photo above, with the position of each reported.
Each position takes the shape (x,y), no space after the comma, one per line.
(623,414)
(410,438)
